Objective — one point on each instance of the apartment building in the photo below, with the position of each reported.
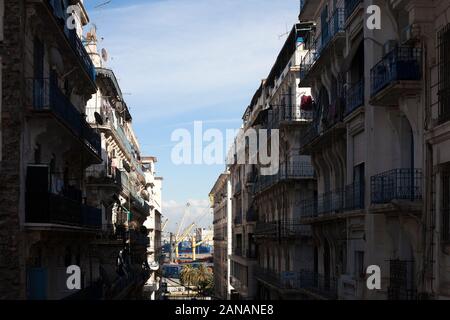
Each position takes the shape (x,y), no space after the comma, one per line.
(155,256)
(377,143)
(220,197)
(74,188)
(47,224)
(270,247)
(371,116)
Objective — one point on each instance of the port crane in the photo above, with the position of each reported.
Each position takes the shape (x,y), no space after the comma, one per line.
(195,244)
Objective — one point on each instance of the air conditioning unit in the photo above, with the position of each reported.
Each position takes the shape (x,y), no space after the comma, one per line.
(389,46)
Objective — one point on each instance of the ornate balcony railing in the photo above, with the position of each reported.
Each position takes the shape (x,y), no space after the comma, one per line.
(311,133)
(397,184)
(47,97)
(47,208)
(354,196)
(282,229)
(288,114)
(299,280)
(73,39)
(401,64)
(333,26)
(297,170)
(355,97)
(337,201)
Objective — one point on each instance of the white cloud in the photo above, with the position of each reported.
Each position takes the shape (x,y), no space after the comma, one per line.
(199,212)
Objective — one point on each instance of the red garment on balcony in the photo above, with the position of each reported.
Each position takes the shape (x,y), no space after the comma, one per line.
(306,103)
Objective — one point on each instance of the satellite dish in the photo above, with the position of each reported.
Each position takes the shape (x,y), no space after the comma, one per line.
(105,55)
(98,118)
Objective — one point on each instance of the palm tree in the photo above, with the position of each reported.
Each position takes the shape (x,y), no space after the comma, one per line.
(205,281)
(188,276)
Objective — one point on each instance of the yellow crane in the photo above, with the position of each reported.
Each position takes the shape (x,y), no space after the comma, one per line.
(195,244)
(180,238)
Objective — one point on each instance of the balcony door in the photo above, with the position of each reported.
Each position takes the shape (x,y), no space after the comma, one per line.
(36,195)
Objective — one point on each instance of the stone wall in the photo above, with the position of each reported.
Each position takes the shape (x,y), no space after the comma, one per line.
(12,120)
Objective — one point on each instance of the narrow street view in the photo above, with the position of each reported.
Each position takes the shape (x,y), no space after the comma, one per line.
(245,151)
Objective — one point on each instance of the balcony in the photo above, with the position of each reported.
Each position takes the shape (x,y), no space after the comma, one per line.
(396,75)
(284,115)
(327,125)
(100,178)
(332,30)
(47,97)
(343,200)
(397,184)
(354,97)
(74,41)
(286,173)
(282,229)
(303,281)
(47,208)
(139,238)
(140,204)
(350,7)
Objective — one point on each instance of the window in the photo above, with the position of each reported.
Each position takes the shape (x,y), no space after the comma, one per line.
(444,74)
(359,264)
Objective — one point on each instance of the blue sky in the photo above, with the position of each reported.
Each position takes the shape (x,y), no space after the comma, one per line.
(180,61)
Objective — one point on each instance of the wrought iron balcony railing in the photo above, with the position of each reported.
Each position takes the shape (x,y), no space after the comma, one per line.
(401,64)
(311,133)
(299,280)
(298,170)
(48,97)
(350,6)
(397,184)
(333,26)
(45,207)
(282,229)
(355,97)
(74,41)
(348,199)
(288,114)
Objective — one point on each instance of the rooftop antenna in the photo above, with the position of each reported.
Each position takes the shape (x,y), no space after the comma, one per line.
(102,4)
(284,34)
